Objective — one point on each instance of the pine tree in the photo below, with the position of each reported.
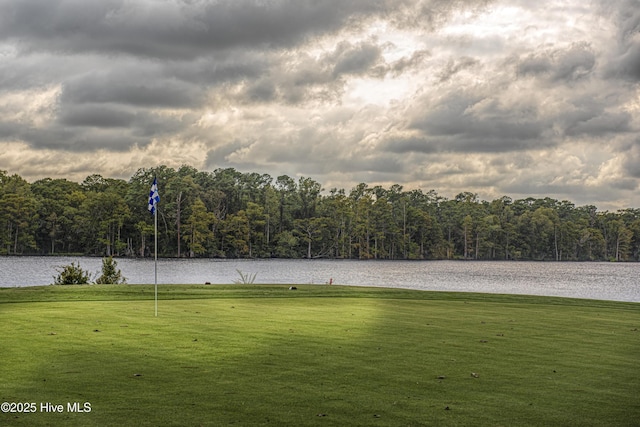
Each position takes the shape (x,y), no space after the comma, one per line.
(111,275)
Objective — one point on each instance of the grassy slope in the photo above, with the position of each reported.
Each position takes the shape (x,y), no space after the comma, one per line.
(261,354)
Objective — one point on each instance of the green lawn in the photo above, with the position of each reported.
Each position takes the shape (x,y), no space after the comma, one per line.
(320,355)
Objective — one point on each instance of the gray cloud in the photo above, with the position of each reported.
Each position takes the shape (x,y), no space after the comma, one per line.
(474,122)
(84,140)
(560,65)
(628,63)
(574,63)
(588,114)
(136,90)
(96,116)
(172,29)
(535,65)
(301,78)
(602,124)
(624,59)
(411,63)
(430,15)
(349,59)
(455,66)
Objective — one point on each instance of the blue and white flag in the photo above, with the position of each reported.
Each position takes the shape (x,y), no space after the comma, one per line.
(154,197)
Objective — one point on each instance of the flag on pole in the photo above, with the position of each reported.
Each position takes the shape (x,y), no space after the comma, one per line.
(154,197)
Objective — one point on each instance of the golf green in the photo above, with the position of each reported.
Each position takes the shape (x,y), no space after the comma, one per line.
(317,355)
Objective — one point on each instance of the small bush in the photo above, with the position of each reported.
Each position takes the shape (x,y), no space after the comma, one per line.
(110,273)
(71,275)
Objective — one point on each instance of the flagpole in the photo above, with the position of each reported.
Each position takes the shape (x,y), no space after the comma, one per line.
(154,198)
(155,265)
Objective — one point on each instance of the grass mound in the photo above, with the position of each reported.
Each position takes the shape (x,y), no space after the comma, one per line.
(318,355)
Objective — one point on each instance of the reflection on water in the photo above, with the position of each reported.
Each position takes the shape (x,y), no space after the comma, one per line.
(606,281)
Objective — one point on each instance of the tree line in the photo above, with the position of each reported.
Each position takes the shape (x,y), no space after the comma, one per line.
(227,213)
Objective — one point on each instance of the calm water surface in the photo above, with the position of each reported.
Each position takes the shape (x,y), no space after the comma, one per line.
(604,281)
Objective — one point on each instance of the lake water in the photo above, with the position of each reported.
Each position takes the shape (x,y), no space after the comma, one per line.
(598,280)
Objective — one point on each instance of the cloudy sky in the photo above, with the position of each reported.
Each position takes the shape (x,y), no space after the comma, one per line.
(505,97)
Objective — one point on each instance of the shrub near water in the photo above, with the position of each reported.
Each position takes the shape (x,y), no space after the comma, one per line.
(111,275)
(74,275)
(71,275)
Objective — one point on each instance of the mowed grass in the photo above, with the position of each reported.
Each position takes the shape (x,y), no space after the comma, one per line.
(318,355)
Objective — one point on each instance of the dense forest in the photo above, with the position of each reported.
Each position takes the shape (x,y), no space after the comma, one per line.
(226,213)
